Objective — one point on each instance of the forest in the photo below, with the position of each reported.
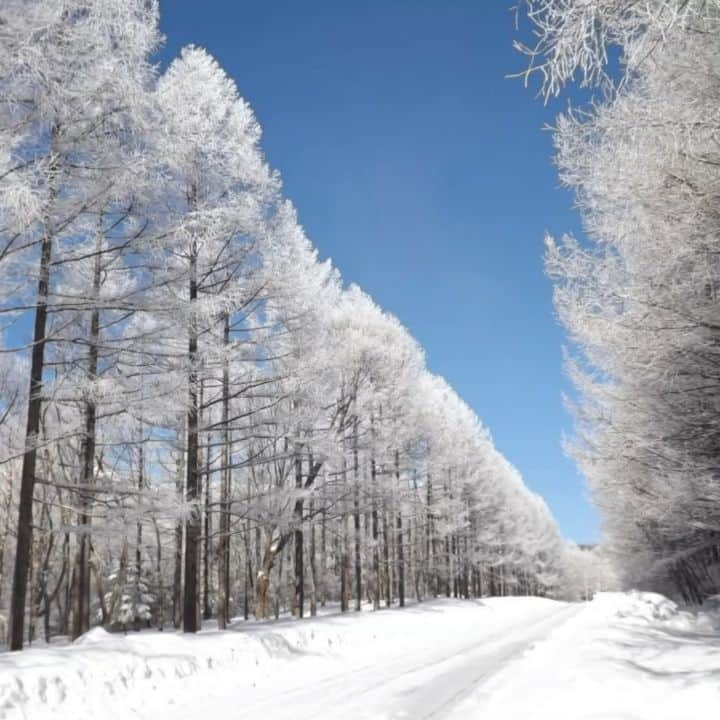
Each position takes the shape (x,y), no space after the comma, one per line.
(200,419)
(638,296)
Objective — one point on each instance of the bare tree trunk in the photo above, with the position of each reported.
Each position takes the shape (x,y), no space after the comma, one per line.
(356,518)
(5,532)
(159,575)
(139,529)
(400,560)
(344,551)
(177,576)
(399,538)
(23,548)
(44,595)
(323,556)
(281,584)
(454,548)
(224,540)
(119,581)
(375,539)
(413,536)
(248,585)
(448,585)
(31,578)
(262,580)
(274,547)
(432,578)
(87,471)
(192,519)
(42,551)
(386,560)
(96,570)
(258,548)
(178,560)
(299,588)
(345,573)
(54,596)
(313,565)
(466,569)
(64,612)
(207,609)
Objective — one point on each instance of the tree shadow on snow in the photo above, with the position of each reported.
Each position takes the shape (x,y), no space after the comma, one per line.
(663,653)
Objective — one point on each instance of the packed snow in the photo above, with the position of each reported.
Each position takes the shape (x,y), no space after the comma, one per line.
(620,657)
(626,656)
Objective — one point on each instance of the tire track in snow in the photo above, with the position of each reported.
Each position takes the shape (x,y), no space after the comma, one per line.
(408,687)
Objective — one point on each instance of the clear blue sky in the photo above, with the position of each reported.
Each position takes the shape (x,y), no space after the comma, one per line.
(426,176)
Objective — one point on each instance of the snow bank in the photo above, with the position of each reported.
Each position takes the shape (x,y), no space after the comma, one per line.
(627,656)
(139,675)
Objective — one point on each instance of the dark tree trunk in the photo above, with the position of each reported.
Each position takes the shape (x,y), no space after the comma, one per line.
(344,580)
(138,539)
(64,612)
(177,577)
(248,585)
(399,538)
(375,539)
(87,472)
(453,564)
(82,577)
(192,520)
(159,576)
(356,519)
(344,552)
(432,578)
(23,550)
(386,561)
(224,540)
(313,564)
(299,562)
(207,609)
(299,584)
(323,556)
(465,571)
(448,585)
(116,593)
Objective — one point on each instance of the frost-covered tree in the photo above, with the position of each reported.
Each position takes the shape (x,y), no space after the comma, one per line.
(640,299)
(217,191)
(72,76)
(213,421)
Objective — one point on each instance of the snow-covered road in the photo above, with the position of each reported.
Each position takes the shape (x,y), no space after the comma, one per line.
(427,683)
(411,663)
(624,656)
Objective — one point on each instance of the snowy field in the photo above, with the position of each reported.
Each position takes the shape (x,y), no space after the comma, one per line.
(620,657)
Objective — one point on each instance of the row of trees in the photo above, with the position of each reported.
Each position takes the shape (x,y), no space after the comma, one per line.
(198,418)
(640,300)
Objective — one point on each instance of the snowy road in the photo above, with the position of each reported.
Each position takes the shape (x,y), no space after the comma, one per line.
(623,656)
(427,683)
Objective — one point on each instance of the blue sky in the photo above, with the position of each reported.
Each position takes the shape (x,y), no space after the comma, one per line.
(424,173)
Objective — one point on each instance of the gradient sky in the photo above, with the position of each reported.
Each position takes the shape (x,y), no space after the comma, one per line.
(425,174)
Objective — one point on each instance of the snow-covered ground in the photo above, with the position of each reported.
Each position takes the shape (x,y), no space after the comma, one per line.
(620,657)
(633,656)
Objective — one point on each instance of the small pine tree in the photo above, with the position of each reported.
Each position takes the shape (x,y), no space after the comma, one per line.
(132,601)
